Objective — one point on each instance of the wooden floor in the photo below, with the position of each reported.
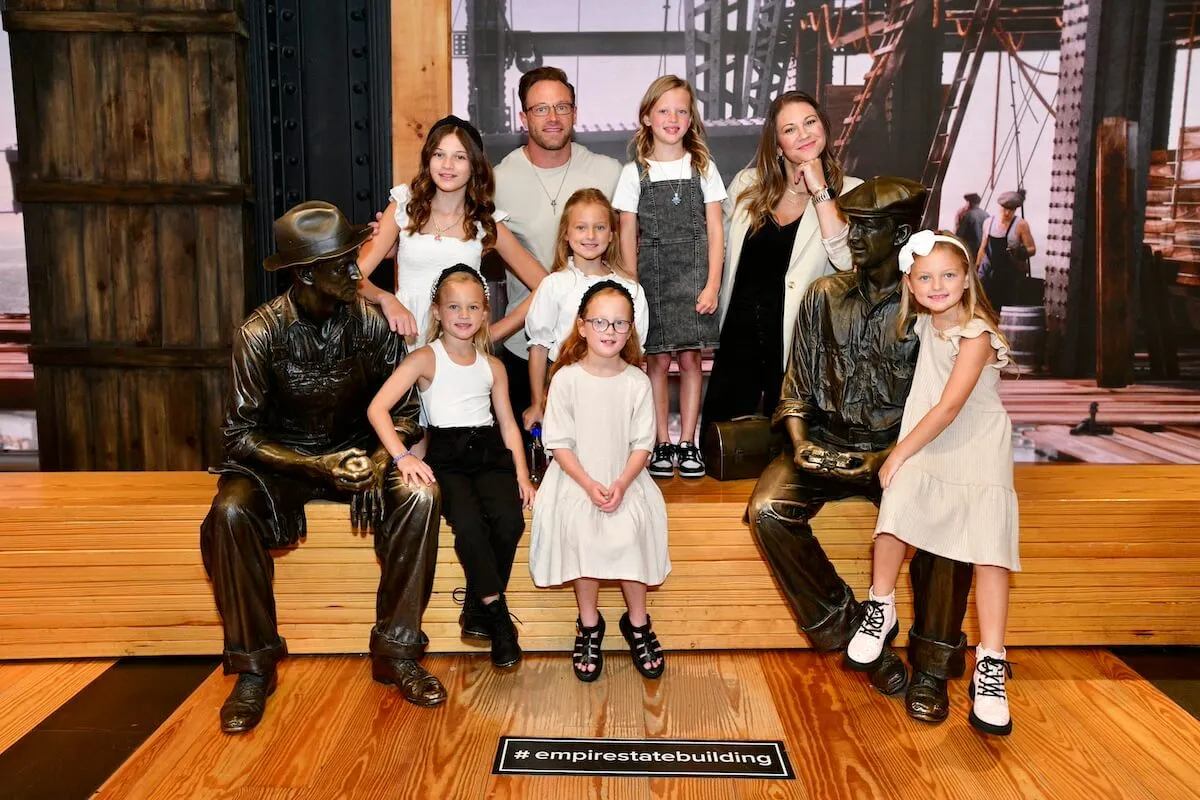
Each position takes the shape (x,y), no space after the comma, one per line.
(31,690)
(1058,401)
(1086,726)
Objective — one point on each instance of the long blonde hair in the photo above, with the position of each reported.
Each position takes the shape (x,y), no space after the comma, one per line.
(641,147)
(612,254)
(974,299)
(770,180)
(461,273)
(574,347)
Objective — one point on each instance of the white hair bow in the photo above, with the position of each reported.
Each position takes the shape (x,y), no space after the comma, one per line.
(921,244)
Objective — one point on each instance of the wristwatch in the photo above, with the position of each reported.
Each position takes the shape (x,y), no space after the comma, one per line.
(823,195)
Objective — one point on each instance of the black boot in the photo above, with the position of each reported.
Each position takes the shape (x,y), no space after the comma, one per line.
(505,650)
(472,620)
(244,707)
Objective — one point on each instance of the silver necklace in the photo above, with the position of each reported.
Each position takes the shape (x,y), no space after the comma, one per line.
(679,183)
(553,200)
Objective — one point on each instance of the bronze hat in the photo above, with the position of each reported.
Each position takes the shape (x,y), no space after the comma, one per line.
(311,232)
(884,197)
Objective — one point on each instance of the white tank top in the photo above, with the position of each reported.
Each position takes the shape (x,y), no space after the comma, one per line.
(458,396)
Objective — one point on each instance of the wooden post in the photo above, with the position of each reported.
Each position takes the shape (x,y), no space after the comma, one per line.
(1114,263)
(421,96)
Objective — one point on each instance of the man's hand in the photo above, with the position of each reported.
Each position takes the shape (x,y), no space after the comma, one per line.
(532,416)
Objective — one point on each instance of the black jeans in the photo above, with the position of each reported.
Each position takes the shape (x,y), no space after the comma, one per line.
(481,502)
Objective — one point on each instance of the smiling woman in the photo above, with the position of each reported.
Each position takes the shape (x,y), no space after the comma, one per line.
(787,230)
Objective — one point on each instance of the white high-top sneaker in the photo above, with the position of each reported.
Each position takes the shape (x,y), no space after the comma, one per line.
(990,711)
(878,627)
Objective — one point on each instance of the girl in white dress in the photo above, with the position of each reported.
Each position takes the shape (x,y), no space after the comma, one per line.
(598,515)
(948,484)
(588,251)
(446,217)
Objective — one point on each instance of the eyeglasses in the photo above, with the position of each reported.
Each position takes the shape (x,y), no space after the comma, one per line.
(543,110)
(600,325)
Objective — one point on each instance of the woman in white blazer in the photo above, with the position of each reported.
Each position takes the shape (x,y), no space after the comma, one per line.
(784,231)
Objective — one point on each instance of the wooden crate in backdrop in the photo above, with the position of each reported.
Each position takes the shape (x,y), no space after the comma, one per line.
(134,181)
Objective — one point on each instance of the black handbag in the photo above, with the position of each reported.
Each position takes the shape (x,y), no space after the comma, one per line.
(741,448)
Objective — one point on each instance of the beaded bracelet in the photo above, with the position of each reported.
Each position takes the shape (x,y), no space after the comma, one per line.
(396,461)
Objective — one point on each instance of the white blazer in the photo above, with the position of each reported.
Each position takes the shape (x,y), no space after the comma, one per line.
(809,260)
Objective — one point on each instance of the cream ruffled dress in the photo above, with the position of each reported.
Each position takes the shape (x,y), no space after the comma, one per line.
(955,497)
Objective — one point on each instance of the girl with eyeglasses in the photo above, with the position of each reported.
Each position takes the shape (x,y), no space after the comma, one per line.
(588,251)
(598,515)
(671,231)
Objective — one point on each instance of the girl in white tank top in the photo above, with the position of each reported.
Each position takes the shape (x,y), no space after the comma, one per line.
(475,453)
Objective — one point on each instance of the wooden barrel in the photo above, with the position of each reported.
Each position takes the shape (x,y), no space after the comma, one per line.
(134,180)
(1025,329)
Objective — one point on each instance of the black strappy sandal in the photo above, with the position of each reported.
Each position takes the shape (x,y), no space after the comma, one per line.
(645,649)
(587,650)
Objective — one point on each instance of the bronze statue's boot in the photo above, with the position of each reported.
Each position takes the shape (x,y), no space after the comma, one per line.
(889,676)
(505,650)
(933,664)
(244,707)
(415,684)
(473,620)
(927,699)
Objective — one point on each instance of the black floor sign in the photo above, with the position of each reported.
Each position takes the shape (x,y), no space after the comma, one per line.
(678,758)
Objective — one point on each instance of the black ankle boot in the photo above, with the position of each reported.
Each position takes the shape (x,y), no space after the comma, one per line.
(505,650)
(472,620)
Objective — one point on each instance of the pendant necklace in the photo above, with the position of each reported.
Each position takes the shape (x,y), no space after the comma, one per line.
(553,200)
(438,230)
(679,183)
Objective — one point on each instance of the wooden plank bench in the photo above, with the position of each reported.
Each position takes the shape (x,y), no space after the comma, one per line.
(108,564)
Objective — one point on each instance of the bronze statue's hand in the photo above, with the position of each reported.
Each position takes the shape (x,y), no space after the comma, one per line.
(350,470)
(862,466)
(807,456)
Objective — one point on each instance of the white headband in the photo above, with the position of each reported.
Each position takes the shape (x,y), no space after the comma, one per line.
(921,244)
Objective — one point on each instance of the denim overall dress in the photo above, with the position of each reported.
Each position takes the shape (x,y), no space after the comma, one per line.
(673,264)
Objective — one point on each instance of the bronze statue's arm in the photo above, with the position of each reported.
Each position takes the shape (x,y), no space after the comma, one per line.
(244,440)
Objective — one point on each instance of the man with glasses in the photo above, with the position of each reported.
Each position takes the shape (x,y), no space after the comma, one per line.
(533,183)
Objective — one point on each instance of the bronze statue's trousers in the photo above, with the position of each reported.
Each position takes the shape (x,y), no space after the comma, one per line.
(232,540)
(784,500)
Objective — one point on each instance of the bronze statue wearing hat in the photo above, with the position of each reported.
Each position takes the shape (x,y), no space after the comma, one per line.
(305,367)
(848,374)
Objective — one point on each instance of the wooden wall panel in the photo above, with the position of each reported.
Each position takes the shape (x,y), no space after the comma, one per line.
(420,78)
(105,564)
(134,178)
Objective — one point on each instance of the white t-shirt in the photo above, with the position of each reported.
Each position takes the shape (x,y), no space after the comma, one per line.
(524,191)
(555,306)
(679,171)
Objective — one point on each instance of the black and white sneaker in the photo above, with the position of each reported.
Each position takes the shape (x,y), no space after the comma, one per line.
(662,461)
(691,464)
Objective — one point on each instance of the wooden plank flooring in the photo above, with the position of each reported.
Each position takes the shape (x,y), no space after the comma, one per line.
(31,690)
(1086,726)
